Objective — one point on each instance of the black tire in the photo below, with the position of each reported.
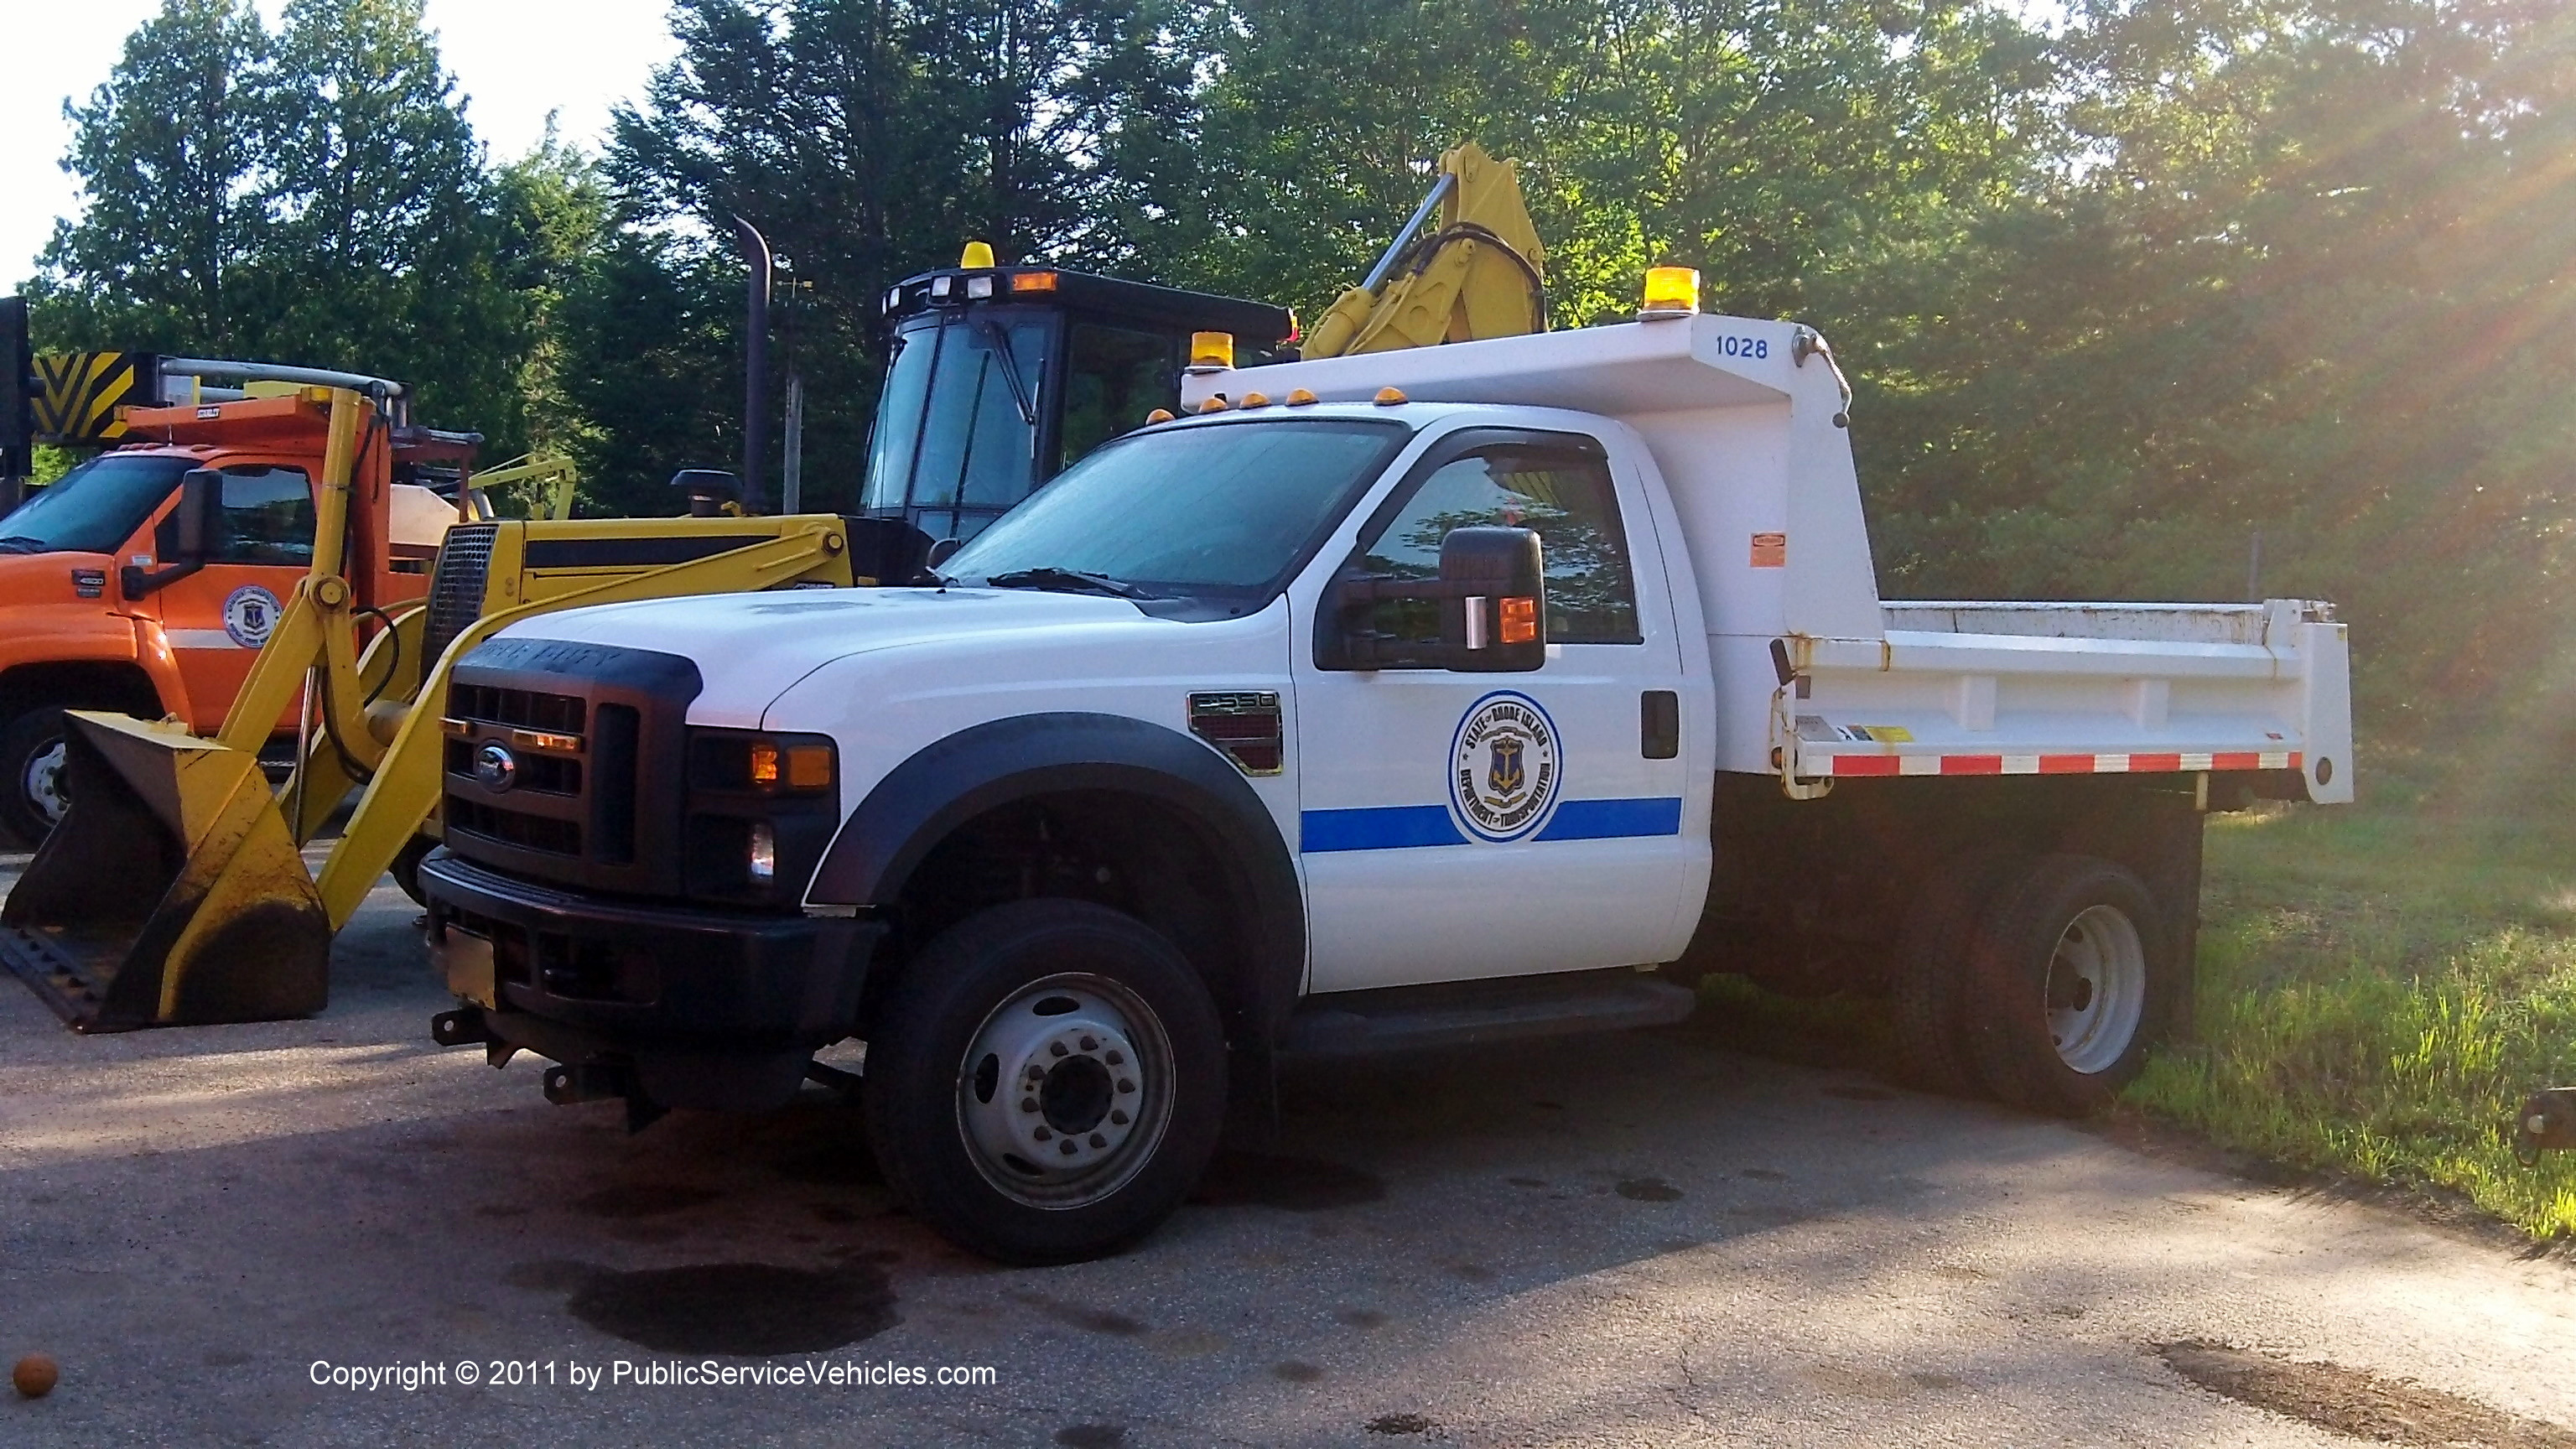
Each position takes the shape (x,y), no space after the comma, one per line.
(28,804)
(1008,981)
(406,867)
(2082,905)
(1928,995)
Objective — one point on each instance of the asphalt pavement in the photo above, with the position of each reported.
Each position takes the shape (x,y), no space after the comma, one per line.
(1633,1240)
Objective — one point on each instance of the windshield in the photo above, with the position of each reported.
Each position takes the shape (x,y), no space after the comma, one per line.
(957,428)
(1222,509)
(95,507)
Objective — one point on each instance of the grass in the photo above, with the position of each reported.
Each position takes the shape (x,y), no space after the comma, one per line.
(2380,986)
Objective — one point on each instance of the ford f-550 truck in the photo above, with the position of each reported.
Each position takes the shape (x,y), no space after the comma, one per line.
(1386,700)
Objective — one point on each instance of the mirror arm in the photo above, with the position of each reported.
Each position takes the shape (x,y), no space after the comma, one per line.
(135,581)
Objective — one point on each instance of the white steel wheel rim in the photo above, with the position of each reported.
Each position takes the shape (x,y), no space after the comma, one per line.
(42,781)
(2096,992)
(1065,1091)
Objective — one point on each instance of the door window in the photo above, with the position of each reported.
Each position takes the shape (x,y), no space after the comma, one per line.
(1561,491)
(267,519)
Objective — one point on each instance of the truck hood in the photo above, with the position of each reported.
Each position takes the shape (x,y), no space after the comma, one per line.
(749,648)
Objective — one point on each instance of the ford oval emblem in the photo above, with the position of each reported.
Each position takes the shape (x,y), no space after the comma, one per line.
(496,767)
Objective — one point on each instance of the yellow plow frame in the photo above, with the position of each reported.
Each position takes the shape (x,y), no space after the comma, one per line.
(174,891)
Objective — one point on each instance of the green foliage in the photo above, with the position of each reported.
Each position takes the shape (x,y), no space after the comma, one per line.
(2380,988)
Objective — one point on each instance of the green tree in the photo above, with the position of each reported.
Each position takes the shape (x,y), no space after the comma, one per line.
(171,156)
(312,197)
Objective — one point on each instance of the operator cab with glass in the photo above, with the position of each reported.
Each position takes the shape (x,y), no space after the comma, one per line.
(999,377)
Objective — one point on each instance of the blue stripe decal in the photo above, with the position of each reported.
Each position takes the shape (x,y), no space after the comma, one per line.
(1399,827)
(1389,828)
(1614,819)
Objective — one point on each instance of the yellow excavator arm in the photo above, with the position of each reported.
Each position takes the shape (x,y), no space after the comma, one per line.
(1477,273)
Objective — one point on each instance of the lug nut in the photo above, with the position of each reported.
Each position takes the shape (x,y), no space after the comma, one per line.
(1042,1134)
(1056,1048)
(1069,1148)
(1099,1141)
(1125,1085)
(1091,1044)
(1116,1059)
(1119,1116)
(1028,1104)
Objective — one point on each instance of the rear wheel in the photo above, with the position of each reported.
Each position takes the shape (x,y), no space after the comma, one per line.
(1929,998)
(2072,980)
(32,751)
(1047,1081)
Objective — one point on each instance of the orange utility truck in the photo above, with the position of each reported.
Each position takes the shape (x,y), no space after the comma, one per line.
(146,579)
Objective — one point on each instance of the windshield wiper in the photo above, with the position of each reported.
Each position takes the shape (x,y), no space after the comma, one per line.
(1065,580)
(1001,345)
(22,543)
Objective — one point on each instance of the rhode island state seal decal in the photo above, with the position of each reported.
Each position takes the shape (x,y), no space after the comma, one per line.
(1503,767)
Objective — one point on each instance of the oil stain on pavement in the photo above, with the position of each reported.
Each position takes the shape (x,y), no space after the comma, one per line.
(2356,1404)
(750,1309)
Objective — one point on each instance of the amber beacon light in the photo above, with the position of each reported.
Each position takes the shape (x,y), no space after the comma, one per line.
(1670,292)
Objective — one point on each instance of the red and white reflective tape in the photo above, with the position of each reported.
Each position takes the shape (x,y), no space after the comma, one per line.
(2096,764)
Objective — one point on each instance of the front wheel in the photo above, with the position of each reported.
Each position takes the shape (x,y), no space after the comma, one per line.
(32,752)
(2072,979)
(1046,1082)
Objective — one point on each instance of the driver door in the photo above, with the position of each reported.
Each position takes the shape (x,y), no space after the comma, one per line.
(1464,825)
(217,618)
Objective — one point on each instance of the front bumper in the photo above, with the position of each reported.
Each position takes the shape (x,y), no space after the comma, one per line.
(696,1008)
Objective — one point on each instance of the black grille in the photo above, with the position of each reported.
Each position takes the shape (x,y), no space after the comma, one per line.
(526,709)
(515,827)
(456,590)
(595,735)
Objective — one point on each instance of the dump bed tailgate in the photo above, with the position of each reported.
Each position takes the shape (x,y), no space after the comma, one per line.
(1966,688)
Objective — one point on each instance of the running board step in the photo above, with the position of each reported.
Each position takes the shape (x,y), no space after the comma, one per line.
(1404,1018)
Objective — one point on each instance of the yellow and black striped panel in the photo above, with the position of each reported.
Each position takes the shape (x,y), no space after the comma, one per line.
(80,396)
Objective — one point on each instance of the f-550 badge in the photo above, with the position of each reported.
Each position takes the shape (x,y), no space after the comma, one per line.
(1503,773)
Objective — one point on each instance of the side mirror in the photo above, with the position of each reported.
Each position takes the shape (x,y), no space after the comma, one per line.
(941,552)
(201,501)
(1491,599)
(195,524)
(1499,623)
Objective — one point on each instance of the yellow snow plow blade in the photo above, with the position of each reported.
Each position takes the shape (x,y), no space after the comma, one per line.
(172,895)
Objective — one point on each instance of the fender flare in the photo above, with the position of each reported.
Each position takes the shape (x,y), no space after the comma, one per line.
(944,785)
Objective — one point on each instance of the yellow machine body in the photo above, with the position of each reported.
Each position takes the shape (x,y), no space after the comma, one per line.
(1474,270)
(175,892)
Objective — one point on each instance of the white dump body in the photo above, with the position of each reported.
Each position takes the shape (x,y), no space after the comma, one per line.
(1747,420)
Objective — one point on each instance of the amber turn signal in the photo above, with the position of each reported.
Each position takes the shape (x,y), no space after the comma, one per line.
(1519,619)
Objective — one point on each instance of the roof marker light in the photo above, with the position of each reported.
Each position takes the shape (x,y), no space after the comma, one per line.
(1388,397)
(1158,415)
(978,254)
(978,288)
(1298,397)
(1256,400)
(1215,404)
(1033,282)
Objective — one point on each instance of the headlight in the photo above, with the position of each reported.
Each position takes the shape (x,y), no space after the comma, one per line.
(762,865)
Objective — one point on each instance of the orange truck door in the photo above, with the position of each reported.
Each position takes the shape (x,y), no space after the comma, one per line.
(217,618)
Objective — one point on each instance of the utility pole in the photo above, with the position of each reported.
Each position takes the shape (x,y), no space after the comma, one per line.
(755,364)
(791,467)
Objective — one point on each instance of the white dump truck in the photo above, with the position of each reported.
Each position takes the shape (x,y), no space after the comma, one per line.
(1446,695)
